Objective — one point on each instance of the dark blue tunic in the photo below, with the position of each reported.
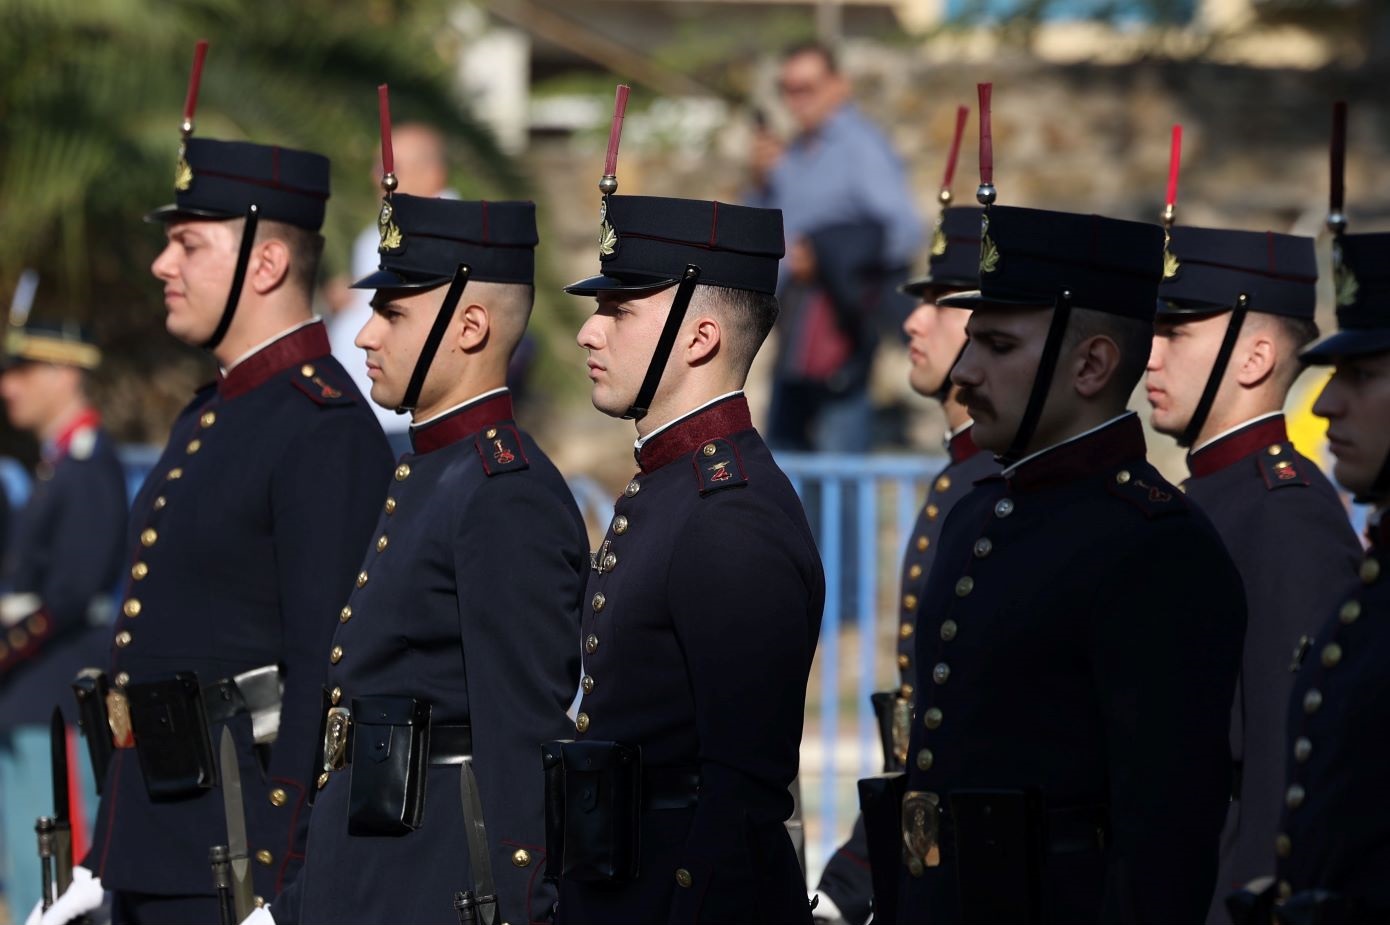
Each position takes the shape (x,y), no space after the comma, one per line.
(468,598)
(66,552)
(244,542)
(1335,831)
(846,879)
(1288,532)
(1079,639)
(698,636)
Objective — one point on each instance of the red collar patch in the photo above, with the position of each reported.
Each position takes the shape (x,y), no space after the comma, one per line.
(464,422)
(1232,448)
(308,343)
(721,419)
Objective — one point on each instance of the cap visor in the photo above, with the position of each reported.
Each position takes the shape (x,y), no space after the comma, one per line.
(626,283)
(977,300)
(927,285)
(1167,308)
(390,279)
(172,213)
(1352,343)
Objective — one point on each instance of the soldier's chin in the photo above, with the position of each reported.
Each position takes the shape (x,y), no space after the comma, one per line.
(184,326)
(924,380)
(605,401)
(1354,476)
(1166,424)
(386,396)
(989,433)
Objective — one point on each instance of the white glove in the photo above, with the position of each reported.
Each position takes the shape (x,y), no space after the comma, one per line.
(82,896)
(826,911)
(259,916)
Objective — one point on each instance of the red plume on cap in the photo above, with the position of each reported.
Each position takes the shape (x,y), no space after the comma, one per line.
(388,158)
(1170,202)
(962,113)
(985,194)
(609,183)
(195,78)
(386,226)
(1336,218)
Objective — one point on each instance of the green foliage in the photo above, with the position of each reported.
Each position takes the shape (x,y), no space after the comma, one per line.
(91,95)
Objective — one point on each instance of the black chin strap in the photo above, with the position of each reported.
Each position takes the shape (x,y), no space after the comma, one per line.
(1218,372)
(1042,381)
(433,340)
(643,402)
(944,393)
(243,260)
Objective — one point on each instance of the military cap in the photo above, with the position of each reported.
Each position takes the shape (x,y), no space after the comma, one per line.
(221,179)
(424,241)
(60,344)
(1031,256)
(646,242)
(1361,272)
(1206,270)
(955,253)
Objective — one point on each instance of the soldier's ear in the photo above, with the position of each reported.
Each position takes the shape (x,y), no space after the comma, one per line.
(1096,361)
(474,326)
(705,340)
(270,266)
(1256,359)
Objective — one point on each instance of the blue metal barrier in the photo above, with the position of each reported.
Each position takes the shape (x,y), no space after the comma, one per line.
(862,509)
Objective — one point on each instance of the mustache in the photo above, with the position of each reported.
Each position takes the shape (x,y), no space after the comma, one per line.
(976,402)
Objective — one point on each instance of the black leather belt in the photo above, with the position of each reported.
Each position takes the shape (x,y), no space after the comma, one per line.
(1069,830)
(448,744)
(670,788)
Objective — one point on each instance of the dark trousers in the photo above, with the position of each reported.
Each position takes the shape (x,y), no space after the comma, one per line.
(153,909)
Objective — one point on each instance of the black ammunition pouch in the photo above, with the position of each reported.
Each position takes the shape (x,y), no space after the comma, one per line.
(881,803)
(593,810)
(1000,844)
(390,760)
(170,726)
(90,688)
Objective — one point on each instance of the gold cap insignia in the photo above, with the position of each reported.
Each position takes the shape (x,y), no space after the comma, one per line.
(989,253)
(938,238)
(607,239)
(1344,282)
(183,173)
(386,226)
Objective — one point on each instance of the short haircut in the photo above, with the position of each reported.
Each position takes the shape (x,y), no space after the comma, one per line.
(305,247)
(748,318)
(1297,333)
(1133,336)
(818,49)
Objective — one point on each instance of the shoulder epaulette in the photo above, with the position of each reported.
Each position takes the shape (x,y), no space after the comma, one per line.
(312,381)
(717,467)
(500,450)
(1279,466)
(1146,491)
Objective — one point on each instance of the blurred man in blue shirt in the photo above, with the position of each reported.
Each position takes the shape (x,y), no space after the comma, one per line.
(851,233)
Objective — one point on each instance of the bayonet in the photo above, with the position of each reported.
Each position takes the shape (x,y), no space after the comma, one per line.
(477,906)
(238,851)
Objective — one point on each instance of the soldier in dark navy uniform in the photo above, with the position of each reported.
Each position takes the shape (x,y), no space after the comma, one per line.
(465,612)
(1333,846)
(704,604)
(1235,308)
(60,574)
(243,541)
(1078,640)
(936,339)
